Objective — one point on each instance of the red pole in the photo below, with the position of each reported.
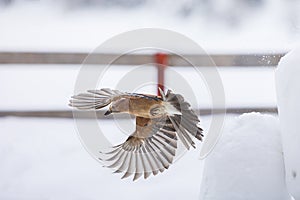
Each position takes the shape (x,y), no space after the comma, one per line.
(162,62)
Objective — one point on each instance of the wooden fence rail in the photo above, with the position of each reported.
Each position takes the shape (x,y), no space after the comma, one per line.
(220,60)
(100,114)
(244,60)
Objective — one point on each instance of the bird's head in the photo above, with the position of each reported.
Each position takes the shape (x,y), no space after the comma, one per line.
(119,106)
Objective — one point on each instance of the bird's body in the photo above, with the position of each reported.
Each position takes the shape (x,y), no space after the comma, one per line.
(159,121)
(142,107)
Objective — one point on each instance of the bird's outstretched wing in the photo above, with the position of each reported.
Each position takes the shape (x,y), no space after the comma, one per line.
(186,123)
(149,150)
(97,99)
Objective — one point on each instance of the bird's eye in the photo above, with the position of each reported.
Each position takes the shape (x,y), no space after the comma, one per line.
(155,111)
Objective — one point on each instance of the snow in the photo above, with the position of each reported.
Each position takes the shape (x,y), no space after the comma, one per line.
(247,162)
(44,159)
(288,87)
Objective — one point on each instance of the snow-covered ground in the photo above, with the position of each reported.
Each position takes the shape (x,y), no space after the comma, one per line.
(43,159)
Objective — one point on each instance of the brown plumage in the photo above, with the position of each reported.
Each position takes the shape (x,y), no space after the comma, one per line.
(159,121)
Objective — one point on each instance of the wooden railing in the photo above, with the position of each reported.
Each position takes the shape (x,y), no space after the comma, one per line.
(220,60)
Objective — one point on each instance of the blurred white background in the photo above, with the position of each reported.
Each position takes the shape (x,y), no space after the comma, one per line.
(217,25)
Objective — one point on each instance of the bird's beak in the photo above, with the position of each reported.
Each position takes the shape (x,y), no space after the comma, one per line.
(107,112)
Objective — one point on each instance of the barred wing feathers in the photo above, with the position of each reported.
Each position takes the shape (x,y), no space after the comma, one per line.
(149,150)
(97,99)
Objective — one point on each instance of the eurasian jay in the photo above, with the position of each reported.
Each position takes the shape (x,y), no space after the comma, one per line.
(159,121)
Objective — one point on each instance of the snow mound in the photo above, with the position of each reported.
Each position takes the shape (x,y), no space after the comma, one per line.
(288,97)
(247,162)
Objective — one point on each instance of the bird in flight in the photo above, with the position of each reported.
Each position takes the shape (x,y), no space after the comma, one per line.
(160,121)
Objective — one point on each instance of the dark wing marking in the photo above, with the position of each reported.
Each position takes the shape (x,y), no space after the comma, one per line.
(149,150)
(146,96)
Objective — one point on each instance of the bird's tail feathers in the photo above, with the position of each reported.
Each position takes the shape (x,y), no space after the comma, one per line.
(94,99)
(183,118)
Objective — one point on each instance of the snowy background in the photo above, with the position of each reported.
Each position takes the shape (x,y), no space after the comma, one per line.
(217,25)
(44,159)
